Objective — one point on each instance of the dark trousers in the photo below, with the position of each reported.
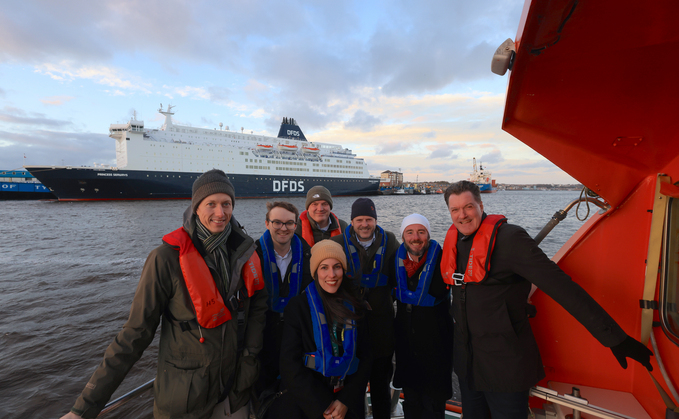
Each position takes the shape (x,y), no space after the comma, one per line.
(380,390)
(498,405)
(419,404)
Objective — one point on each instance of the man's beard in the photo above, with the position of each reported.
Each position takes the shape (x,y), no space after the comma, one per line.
(418,253)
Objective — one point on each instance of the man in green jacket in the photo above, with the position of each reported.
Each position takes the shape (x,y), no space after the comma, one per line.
(212,316)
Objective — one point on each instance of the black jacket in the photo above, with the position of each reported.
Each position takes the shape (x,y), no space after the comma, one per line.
(424,340)
(380,316)
(273,330)
(310,389)
(495,348)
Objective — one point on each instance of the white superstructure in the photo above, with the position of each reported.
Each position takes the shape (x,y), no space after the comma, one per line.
(182,148)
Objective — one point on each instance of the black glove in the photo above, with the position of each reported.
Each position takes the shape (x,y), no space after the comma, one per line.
(632,348)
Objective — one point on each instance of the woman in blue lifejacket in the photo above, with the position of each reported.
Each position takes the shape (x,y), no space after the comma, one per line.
(325,356)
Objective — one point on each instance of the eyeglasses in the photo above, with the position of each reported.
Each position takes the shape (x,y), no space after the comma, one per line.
(278,224)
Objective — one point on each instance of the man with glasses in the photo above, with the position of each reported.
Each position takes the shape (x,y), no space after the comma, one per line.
(284,263)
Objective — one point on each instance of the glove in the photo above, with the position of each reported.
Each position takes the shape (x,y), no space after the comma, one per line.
(632,348)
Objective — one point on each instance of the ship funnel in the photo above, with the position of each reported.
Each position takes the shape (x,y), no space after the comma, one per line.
(290,130)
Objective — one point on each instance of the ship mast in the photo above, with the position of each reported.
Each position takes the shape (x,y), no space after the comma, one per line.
(168,116)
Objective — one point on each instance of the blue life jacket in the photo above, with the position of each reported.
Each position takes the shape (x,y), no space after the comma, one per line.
(272,276)
(419,297)
(375,278)
(323,360)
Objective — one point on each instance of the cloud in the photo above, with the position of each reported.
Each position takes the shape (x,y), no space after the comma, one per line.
(393,147)
(443,151)
(43,147)
(495,156)
(67,71)
(362,121)
(19,117)
(2,93)
(56,100)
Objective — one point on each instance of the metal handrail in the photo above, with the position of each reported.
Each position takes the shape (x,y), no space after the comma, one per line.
(577,404)
(561,215)
(127,397)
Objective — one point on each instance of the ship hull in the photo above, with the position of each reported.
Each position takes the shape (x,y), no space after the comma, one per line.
(486,188)
(10,191)
(93,184)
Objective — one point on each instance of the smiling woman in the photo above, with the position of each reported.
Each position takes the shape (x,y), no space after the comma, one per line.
(324,360)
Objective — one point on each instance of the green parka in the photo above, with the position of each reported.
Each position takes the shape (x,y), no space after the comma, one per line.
(191,375)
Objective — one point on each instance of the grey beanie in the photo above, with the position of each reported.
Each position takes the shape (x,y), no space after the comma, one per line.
(318,193)
(211,182)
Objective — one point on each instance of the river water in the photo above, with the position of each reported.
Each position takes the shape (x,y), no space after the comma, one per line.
(68,272)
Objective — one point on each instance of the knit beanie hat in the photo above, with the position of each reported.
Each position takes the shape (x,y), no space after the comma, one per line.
(326,249)
(318,193)
(211,182)
(414,219)
(363,206)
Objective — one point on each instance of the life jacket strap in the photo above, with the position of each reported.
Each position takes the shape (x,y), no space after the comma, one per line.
(310,361)
(458,279)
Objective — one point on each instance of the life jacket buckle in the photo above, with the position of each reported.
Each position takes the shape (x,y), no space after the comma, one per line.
(458,279)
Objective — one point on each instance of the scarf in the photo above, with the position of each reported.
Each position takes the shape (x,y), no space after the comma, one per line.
(215,244)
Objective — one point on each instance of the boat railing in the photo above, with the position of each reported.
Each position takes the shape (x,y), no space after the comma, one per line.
(561,214)
(114,404)
(575,402)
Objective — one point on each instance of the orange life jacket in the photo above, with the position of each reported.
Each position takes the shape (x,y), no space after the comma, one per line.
(208,303)
(478,264)
(308,232)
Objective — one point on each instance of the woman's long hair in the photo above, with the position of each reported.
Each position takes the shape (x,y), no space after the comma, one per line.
(333,304)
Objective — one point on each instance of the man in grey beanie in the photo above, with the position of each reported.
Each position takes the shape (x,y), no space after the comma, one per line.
(200,285)
(318,222)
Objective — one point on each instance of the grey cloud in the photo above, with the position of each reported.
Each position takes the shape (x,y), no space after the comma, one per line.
(17,116)
(495,156)
(443,151)
(362,121)
(392,148)
(442,168)
(220,95)
(53,148)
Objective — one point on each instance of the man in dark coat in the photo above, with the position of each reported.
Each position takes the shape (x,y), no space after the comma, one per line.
(318,222)
(495,354)
(212,318)
(284,262)
(369,249)
(423,327)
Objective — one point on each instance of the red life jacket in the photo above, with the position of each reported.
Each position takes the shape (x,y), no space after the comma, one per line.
(308,232)
(478,264)
(208,303)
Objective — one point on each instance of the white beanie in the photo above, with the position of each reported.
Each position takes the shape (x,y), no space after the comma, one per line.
(414,219)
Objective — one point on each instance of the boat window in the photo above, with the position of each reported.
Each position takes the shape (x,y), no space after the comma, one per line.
(669,286)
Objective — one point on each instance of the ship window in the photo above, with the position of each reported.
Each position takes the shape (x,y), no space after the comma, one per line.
(669,286)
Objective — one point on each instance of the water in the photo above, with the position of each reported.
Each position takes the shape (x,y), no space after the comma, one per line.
(68,272)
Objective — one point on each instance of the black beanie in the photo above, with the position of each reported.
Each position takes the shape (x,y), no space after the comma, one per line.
(211,182)
(363,206)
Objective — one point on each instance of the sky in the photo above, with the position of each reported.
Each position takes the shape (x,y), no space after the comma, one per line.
(404,84)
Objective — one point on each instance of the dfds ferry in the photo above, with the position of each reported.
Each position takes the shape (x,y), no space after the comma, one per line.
(163,163)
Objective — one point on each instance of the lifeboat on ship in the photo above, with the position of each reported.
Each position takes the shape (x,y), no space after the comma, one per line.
(287,147)
(310,150)
(264,147)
